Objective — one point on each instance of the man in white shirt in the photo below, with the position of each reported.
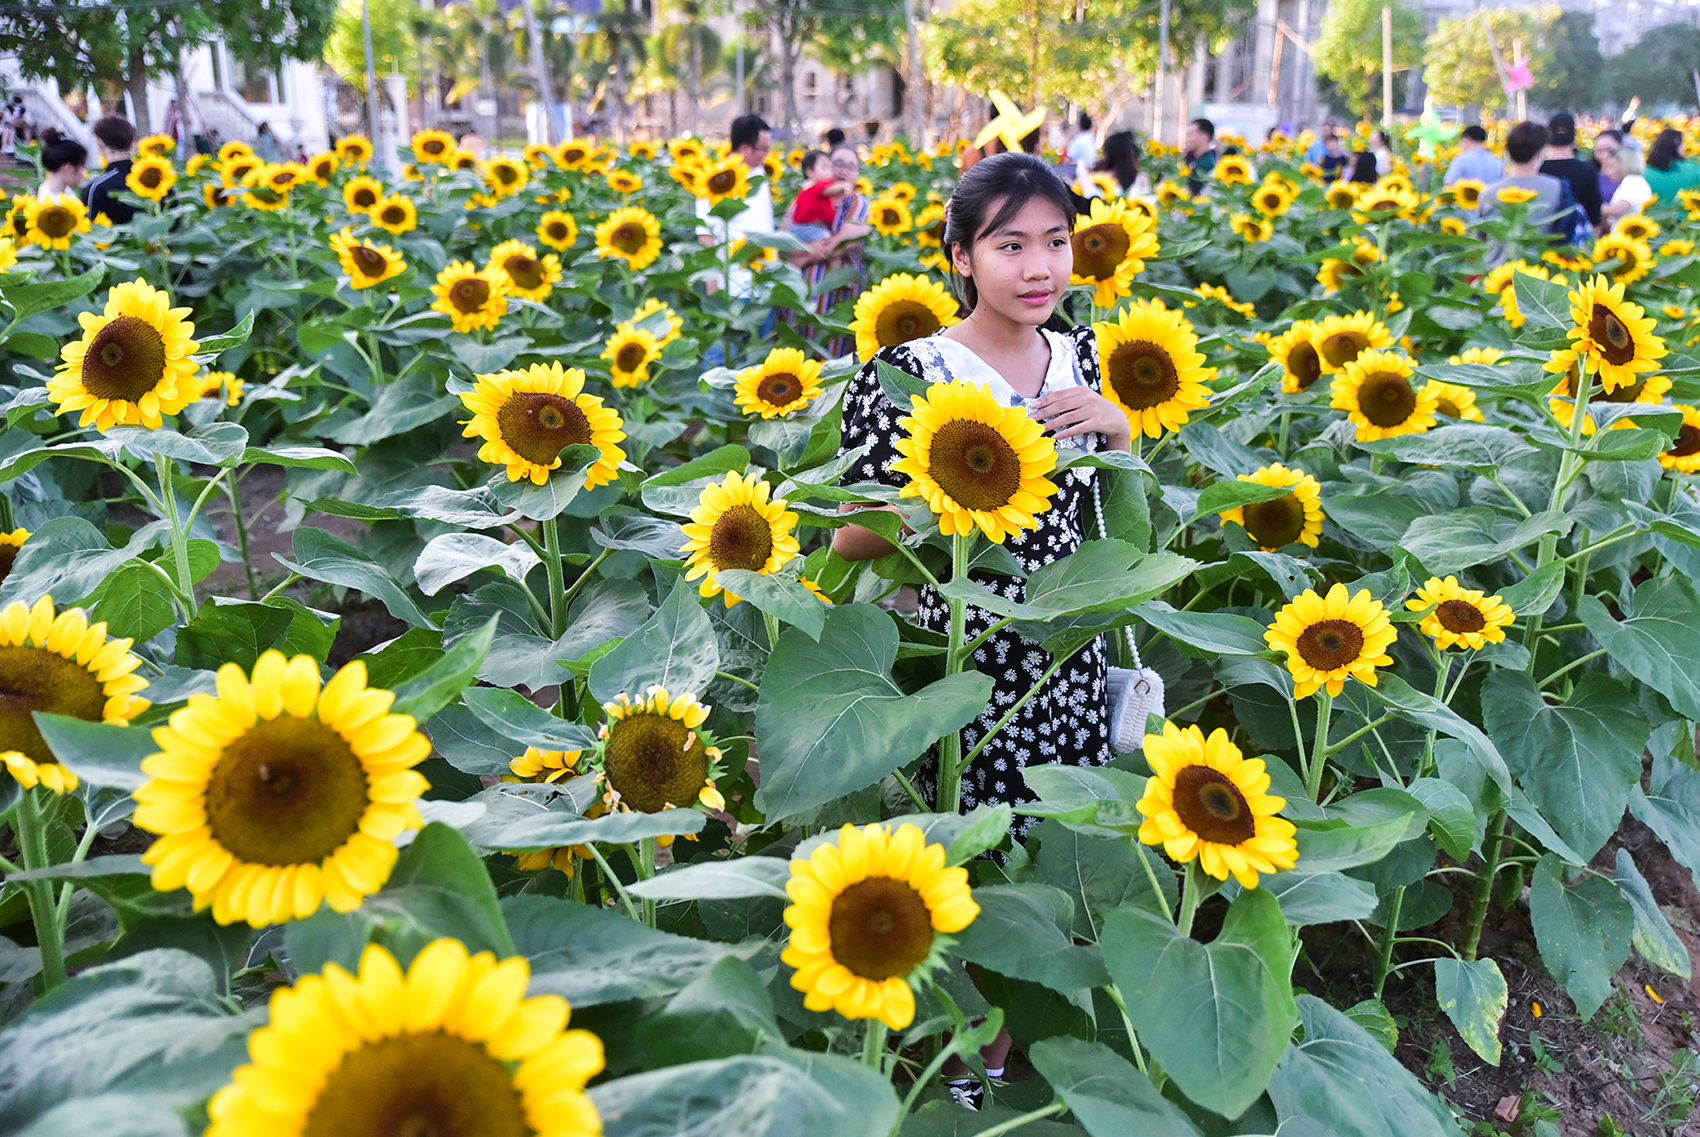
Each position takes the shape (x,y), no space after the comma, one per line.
(1082,149)
(751,139)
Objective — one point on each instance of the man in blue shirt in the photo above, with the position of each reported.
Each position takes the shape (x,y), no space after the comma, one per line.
(1319,147)
(1475,161)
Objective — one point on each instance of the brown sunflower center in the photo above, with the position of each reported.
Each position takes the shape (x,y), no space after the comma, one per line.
(722,181)
(1687,444)
(524,271)
(935,232)
(125,360)
(36,679)
(1459,616)
(1386,398)
(649,765)
(9,554)
(1270,200)
(1210,805)
(1611,335)
(1143,374)
(1304,365)
(507,174)
(779,389)
(470,294)
(1275,524)
(904,320)
(1628,393)
(364,197)
(889,216)
(557,230)
(573,154)
(741,539)
(20,223)
(1448,408)
(975,465)
(368,260)
(1469,197)
(324,168)
(288,791)
(392,215)
(880,928)
(55,221)
(1344,346)
(1099,250)
(418,1084)
(537,425)
(1328,645)
(241,170)
(631,356)
(433,146)
(150,176)
(629,237)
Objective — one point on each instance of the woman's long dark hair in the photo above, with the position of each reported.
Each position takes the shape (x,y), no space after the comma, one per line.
(1363,167)
(989,195)
(1667,148)
(1120,157)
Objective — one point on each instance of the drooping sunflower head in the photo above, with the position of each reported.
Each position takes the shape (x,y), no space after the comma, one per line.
(1341,339)
(362,194)
(929,226)
(451,1046)
(504,176)
(354,150)
(53,220)
(280,793)
(527,275)
(470,298)
(890,215)
(632,235)
(557,229)
(1301,363)
(898,309)
(151,177)
(1636,227)
(432,147)
(1458,616)
(1111,245)
(735,525)
(1251,229)
(1684,453)
(1677,247)
(1294,518)
(1624,258)
(1379,396)
(783,384)
(1328,640)
(1454,401)
(1615,335)
(1225,298)
(133,363)
(868,911)
(1152,368)
(366,263)
(545,765)
(1206,800)
(57,663)
(526,418)
(629,352)
(653,755)
(395,214)
(10,543)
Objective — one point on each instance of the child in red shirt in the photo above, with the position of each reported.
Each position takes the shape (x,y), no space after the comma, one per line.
(817,201)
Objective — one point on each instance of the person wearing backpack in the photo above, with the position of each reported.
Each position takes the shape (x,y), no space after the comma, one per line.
(1581,178)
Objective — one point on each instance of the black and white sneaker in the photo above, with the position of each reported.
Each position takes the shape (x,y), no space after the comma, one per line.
(968,1093)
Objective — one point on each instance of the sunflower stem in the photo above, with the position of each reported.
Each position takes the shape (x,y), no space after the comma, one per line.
(1319,753)
(1115,995)
(1156,889)
(557,585)
(1492,850)
(873,1045)
(32,844)
(233,489)
(613,878)
(643,861)
(1389,936)
(179,539)
(950,746)
(1191,889)
(771,622)
(1015,1123)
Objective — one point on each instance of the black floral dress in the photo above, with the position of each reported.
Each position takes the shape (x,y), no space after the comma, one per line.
(1066,721)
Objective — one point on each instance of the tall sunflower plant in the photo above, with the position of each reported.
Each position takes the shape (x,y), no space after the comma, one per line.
(508,749)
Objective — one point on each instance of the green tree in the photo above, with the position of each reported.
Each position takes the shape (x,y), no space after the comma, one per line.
(397,27)
(1348,49)
(1579,78)
(122,47)
(1458,61)
(1658,68)
(851,44)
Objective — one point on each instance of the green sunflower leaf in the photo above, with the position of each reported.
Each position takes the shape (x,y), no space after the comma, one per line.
(1106,1094)
(1473,994)
(1583,928)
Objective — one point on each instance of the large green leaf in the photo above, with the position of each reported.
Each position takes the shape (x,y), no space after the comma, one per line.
(101,754)
(1100,874)
(1321,897)
(1103,576)
(1670,807)
(1216,1016)
(1452,542)
(456,556)
(1658,639)
(1474,995)
(320,556)
(1653,937)
(718,880)
(675,649)
(1106,1094)
(1099,795)
(1577,760)
(831,720)
(1022,931)
(779,596)
(724,1012)
(1583,928)
(1475,445)
(512,715)
(441,683)
(1341,1081)
(1218,633)
(753,1096)
(68,558)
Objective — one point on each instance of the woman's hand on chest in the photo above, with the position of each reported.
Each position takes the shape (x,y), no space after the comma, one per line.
(1075,411)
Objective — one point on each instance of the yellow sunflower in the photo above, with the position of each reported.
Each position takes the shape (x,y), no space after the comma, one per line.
(735,526)
(1342,195)
(53,221)
(469,298)
(362,194)
(451,1046)
(1636,226)
(1301,363)
(260,191)
(526,418)
(1111,245)
(1379,397)
(1624,258)
(1171,194)
(1151,366)
(624,181)
(631,234)
(1646,388)
(155,145)
(353,150)
(215,195)
(1272,199)
(929,226)
(629,352)
(1467,192)
(1253,230)
(233,149)
(321,167)
(1276,524)
(432,147)
(550,766)
(867,911)
(642,148)
(890,216)
(1453,226)
(58,664)
(1683,455)
(1233,170)
(898,309)
(538,156)
(1225,298)
(151,177)
(1614,335)
(976,462)
(729,178)
(1454,401)
(278,794)
(1677,247)
(1206,800)
(395,214)
(1329,640)
(1458,616)
(653,755)
(1514,195)
(1508,294)
(653,307)
(10,543)
(366,263)
(504,176)
(684,148)
(574,154)
(223,386)
(557,229)
(1381,202)
(527,275)
(233,172)
(783,384)
(133,363)
(465,160)
(1340,339)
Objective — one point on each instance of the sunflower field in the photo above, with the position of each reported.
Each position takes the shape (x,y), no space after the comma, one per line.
(431,704)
